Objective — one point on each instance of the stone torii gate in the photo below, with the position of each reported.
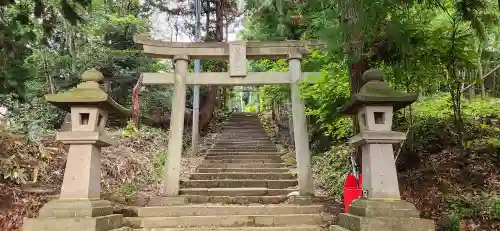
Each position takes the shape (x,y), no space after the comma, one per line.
(237,53)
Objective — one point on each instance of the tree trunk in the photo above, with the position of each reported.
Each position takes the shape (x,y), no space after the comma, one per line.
(354,44)
(71,46)
(494,83)
(51,86)
(206,112)
(480,69)
(273,111)
(227,29)
(472,90)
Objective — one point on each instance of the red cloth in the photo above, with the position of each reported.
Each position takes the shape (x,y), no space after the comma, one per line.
(352,190)
(135,102)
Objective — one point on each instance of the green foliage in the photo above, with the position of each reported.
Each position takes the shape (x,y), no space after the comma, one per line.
(18,32)
(331,169)
(468,205)
(128,189)
(439,106)
(38,63)
(14,173)
(130,130)
(330,92)
(432,123)
(159,160)
(250,108)
(154,101)
(31,117)
(271,93)
(326,96)
(454,222)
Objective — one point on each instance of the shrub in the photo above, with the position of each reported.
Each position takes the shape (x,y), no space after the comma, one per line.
(433,129)
(331,169)
(251,108)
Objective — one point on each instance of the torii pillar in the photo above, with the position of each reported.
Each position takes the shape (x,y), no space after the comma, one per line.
(301,138)
(173,164)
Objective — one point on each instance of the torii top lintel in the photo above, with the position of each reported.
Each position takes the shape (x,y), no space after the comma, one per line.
(221,50)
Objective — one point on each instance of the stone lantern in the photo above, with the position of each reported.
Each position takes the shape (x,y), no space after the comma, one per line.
(79,206)
(381,207)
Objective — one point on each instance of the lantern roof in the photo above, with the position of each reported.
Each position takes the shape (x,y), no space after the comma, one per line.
(376,92)
(88,93)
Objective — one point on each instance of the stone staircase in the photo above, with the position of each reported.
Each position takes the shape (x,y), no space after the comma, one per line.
(241,185)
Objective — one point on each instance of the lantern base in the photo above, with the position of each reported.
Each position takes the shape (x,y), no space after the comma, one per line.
(77,215)
(382,215)
(76,208)
(103,223)
(349,222)
(383,208)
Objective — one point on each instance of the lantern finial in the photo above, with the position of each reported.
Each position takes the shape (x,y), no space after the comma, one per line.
(373,74)
(92,75)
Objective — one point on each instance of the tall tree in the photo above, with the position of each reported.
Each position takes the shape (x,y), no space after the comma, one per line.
(215,15)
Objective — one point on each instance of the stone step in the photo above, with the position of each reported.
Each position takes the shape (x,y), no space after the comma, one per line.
(266,143)
(230,156)
(244,138)
(243,129)
(238,147)
(245,134)
(225,221)
(242,175)
(269,145)
(256,161)
(248,150)
(283,228)
(243,153)
(244,119)
(242,125)
(242,165)
(225,210)
(212,170)
(249,142)
(238,121)
(241,139)
(122,229)
(239,125)
(235,191)
(240,200)
(275,159)
(223,150)
(272,184)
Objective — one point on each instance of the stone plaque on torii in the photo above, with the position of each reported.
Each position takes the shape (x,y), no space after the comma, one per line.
(237,53)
